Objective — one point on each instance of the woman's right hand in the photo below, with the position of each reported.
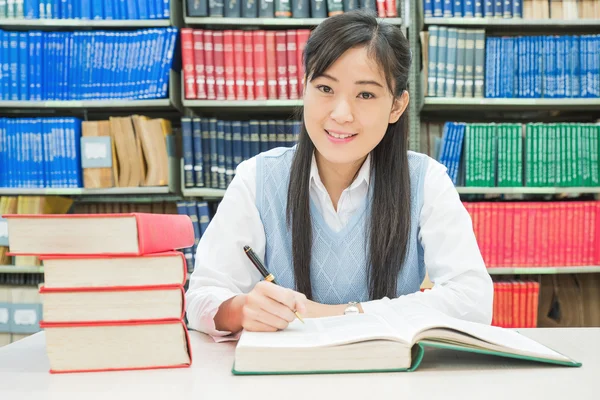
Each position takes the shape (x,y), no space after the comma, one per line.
(267,308)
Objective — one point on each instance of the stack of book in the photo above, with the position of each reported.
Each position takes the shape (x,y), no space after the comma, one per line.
(113,296)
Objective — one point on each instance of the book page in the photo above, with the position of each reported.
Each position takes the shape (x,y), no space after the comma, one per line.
(414,321)
(319,332)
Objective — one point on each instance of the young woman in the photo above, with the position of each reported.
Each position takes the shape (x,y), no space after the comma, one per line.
(348,220)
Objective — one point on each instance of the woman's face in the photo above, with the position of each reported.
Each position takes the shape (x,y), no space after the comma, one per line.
(347,110)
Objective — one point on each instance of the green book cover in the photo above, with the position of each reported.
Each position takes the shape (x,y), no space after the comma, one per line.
(551,154)
(491,177)
(594,132)
(534,156)
(528,160)
(502,153)
(518,141)
(584,154)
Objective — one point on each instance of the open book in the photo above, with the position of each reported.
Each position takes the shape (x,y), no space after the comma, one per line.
(377,343)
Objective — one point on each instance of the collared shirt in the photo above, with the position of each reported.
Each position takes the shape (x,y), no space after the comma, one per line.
(462,286)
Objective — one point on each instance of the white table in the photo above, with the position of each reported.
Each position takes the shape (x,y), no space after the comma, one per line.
(443,375)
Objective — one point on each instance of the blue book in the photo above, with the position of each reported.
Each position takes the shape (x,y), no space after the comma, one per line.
(4,76)
(182,209)
(245,140)
(428,8)
(488,8)
(203,216)
(281,138)
(75,135)
(3,150)
(152,10)
(448,8)
(214,153)
(583,66)
(479,8)
(263,129)
(31,9)
(236,133)
(561,75)
(198,152)
(188,152)
(221,154)
(192,212)
(272,124)
(166,9)
(507,9)
(517,8)
(143,12)
(116,7)
(575,68)
(596,65)
(490,67)
(86,9)
(205,134)
(468,8)
(132,9)
(438,8)
(37,132)
(254,138)
(498,8)
(229,169)
(13,58)
(23,75)
(97,9)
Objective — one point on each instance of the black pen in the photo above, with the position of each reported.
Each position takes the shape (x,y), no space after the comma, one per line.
(263,271)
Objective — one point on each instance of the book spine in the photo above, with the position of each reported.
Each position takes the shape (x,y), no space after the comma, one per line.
(219,58)
(229,59)
(282,68)
(187,59)
(239,64)
(198,152)
(209,65)
(292,67)
(249,9)
(249,65)
(260,65)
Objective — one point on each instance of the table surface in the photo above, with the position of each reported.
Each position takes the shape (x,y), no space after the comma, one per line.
(443,374)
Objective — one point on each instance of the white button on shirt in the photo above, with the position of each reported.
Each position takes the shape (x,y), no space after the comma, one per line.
(462,286)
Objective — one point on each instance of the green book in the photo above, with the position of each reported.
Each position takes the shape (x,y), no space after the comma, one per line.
(378,343)
(551,154)
(503,154)
(594,132)
(528,153)
(518,143)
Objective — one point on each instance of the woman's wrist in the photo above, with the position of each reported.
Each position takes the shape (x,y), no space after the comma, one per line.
(229,316)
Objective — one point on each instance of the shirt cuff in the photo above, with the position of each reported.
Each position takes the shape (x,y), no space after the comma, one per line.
(205,322)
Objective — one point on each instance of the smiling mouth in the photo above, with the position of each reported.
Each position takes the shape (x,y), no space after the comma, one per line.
(340,135)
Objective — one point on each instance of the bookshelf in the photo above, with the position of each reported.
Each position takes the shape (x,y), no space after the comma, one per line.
(264,22)
(543,270)
(527,190)
(509,104)
(13,269)
(512,23)
(55,23)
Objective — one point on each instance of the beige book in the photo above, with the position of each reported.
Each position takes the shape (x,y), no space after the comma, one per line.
(111,305)
(95,178)
(134,157)
(527,9)
(424,37)
(114,347)
(148,270)
(152,134)
(570,9)
(556,9)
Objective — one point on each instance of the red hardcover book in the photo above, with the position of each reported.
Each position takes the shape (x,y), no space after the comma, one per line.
(517,235)
(209,65)
(132,345)
(529,317)
(381,8)
(271,58)
(116,234)
(534,303)
(168,268)
(516,306)
(282,69)
(508,234)
(569,251)
(591,238)
(115,304)
(487,225)
(522,304)
(580,238)
(504,292)
(587,222)
(523,210)
(260,65)
(239,60)
(219,64)
(230,93)
(200,75)
(495,304)
(596,219)
(249,65)
(543,213)
(302,36)
(496,221)
(532,215)
(292,64)
(390,8)
(187,61)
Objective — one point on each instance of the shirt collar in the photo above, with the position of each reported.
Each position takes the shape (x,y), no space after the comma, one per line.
(363,176)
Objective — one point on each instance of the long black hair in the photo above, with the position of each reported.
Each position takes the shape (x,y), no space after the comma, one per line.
(389,224)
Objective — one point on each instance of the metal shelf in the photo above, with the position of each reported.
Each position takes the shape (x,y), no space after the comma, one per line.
(108,104)
(514,22)
(85,192)
(13,269)
(203,192)
(242,103)
(266,21)
(26,23)
(526,190)
(543,270)
(458,103)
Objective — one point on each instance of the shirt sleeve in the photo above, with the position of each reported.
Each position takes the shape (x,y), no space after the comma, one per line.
(462,287)
(222,269)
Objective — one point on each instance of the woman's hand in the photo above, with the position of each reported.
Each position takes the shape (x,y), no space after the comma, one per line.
(267,308)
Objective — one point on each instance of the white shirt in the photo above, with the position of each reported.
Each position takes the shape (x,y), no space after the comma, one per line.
(462,286)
